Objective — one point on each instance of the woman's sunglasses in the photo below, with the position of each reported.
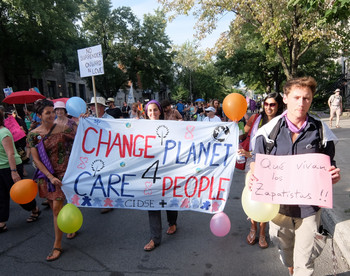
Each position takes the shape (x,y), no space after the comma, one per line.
(270,104)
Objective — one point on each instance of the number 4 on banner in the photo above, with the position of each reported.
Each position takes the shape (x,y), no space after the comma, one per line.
(154,174)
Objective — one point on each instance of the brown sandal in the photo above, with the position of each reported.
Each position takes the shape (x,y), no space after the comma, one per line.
(150,246)
(3,228)
(251,237)
(60,251)
(171,230)
(71,236)
(262,242)
(34,216)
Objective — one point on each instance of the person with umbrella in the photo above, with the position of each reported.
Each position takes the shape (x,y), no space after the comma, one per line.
(200,111)
(24,97)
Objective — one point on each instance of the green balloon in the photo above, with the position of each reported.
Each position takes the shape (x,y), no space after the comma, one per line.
(256,210)
(69,219)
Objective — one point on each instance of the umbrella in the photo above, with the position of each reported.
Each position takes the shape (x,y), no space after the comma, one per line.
(199,100)
(23,97)
(60,100)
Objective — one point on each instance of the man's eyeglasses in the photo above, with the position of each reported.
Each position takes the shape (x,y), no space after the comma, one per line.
(270,104)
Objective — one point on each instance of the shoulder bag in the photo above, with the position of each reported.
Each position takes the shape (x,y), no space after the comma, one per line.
(46,161)
(245,144)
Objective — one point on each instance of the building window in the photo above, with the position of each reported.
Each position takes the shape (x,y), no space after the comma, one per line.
(52,91)
(82,92)
(72,89)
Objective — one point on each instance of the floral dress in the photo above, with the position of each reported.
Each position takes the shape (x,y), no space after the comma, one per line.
(58,147)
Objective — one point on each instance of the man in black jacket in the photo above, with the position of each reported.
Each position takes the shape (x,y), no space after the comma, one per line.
(112,110)
(295,226)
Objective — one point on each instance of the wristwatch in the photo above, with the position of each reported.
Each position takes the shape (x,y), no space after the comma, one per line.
(14,170)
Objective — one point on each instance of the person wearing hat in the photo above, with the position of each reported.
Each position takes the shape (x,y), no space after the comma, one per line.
(101,105)
(112,110)
(62,119)
(335,107)
(211,117)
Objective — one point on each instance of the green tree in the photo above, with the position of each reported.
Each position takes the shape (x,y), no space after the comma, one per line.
(34,34)
(111,29)
(129,48)
(155,57)
(252,62)
(289,30)
(335,11)
(196,76)
(187,59)
(208,84)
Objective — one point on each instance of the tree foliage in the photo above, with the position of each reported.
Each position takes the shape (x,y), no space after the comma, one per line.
(110,29)
(34,34)
(336,10)
(155,58)
(195,76)
(130,49)
(252,62)
(289,30)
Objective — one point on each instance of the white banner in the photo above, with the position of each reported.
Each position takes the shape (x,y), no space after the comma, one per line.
(151,165)
(90,61)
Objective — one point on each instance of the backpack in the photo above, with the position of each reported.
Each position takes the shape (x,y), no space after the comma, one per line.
(276,130)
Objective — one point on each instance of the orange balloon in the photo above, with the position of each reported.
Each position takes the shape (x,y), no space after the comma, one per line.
(24,191)
(234,106)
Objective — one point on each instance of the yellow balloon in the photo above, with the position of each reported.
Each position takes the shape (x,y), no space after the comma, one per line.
(69,219)
(247,178)
(256,210)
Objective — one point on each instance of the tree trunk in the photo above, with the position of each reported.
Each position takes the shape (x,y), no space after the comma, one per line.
(2,81)
(285,66)
(294,58)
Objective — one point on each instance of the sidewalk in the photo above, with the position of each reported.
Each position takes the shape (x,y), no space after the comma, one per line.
(337,220)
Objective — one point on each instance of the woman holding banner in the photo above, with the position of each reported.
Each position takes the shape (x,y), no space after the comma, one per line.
(154,112)
(50,147)
(273,106)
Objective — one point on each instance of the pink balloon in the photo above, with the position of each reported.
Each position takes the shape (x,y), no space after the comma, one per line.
(220,224)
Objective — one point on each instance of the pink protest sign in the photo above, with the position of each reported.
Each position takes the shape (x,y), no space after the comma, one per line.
(293,179)
(16,131)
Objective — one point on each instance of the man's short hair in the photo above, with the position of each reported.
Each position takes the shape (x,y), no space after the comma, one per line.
(165,103)
(309,82)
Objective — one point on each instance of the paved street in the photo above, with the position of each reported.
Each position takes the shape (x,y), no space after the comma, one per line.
(112,244)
